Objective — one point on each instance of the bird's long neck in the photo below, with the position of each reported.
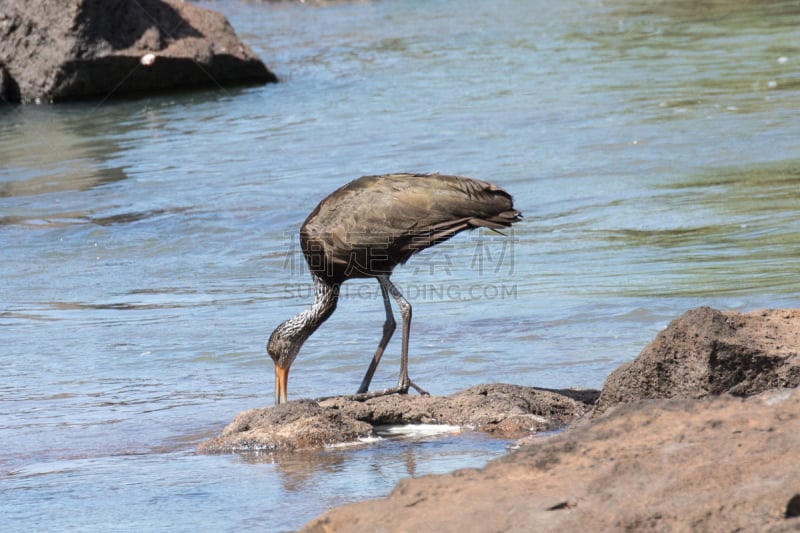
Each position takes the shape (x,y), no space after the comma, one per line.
(307,322)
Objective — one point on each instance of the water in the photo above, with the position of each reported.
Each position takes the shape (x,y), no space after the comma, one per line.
(148,243)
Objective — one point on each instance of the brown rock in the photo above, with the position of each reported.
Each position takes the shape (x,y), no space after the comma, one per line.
(721,464)
(296,425)
(504,410)
(507,410)
(707,352)
(55,49)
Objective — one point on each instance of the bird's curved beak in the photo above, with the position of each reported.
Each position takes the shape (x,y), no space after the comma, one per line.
(281,382)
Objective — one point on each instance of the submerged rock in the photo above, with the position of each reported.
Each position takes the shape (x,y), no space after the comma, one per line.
(707,352)
(56,50)
(504,410)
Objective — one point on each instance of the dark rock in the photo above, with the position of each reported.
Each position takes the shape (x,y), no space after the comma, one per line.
(793,507)
(718,464)
(57,50)
(707,352)
(9,91)
(503,410)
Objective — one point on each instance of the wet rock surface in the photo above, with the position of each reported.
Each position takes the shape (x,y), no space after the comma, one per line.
(298,425)
(55,50)
(504,410)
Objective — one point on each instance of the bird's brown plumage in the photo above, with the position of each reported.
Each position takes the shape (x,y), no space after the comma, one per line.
(365,229)
(374,223)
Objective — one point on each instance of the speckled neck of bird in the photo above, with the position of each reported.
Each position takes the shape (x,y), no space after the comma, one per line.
(325,298)
(287,338)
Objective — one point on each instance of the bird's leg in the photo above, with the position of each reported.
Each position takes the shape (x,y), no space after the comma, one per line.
(405,312)
(388,330)
(403,384)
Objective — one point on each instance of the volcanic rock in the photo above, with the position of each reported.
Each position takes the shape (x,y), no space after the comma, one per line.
(707,352)
(56,50)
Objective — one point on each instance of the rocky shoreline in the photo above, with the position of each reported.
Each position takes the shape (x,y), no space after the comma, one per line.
(700,432)
(721,464)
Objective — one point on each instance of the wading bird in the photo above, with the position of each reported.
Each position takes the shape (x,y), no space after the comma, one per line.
(366,228)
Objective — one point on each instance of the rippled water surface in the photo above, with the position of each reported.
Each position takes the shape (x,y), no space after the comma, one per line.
(149,244)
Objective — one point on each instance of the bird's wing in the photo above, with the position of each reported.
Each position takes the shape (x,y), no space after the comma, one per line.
(400,214)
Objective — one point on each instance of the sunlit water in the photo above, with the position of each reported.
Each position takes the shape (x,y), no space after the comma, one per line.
(149,245)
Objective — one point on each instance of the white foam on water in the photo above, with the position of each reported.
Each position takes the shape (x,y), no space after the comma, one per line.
(416,430)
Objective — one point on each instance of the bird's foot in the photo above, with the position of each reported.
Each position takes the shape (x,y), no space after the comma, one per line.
(363,396)
(417,388)
(359,396)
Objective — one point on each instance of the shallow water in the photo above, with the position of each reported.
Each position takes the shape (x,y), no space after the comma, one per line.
(149,244)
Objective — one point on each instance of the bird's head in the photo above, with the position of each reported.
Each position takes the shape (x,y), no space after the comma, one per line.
(283,346)
(287,339)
